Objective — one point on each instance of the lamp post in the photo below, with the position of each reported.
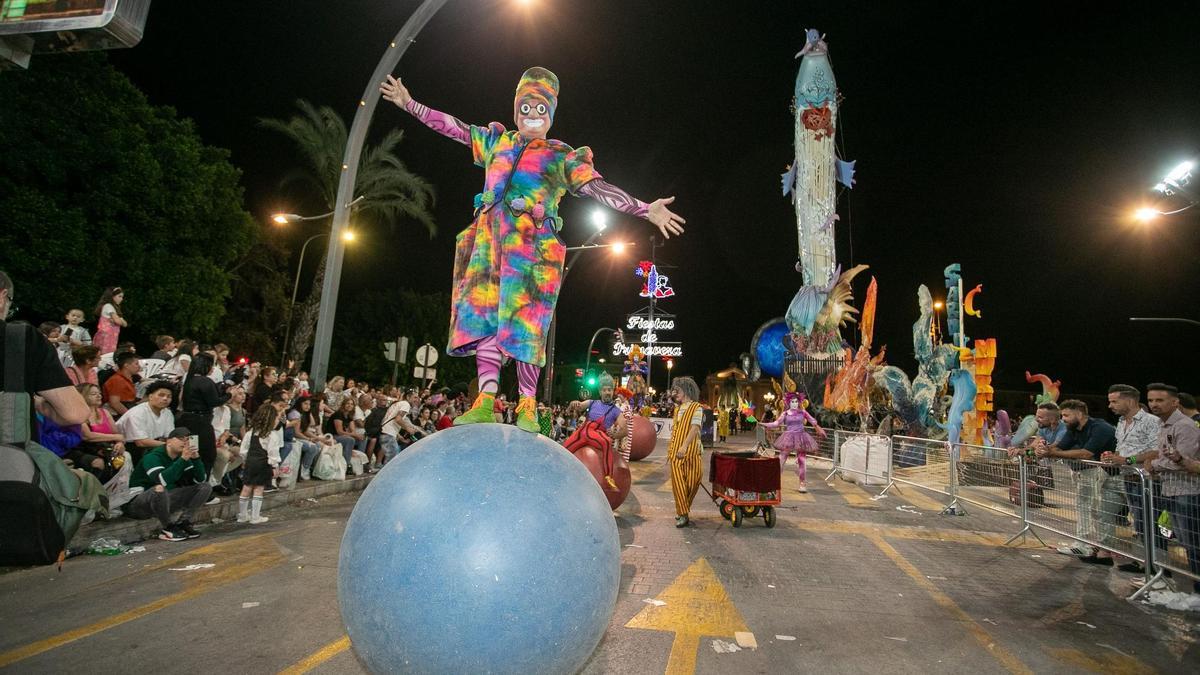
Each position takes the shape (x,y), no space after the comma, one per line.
(347,236)
(600,222)
(670,365)
(1171,185)
(349,172)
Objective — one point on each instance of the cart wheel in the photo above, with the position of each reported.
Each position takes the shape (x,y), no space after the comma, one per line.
(750,511)
(727,509)
(769,515)
(736,517)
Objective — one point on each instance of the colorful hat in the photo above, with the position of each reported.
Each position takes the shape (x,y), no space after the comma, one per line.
(623,393)
(538,83)
(606,380)
(799,396)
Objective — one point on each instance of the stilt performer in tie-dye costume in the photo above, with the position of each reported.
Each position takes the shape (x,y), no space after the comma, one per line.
(508,263)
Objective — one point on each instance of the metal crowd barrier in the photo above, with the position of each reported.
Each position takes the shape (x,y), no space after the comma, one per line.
(1108,508)
(1175,543)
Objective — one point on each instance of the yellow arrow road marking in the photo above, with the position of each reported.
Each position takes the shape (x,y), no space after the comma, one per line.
(697,605)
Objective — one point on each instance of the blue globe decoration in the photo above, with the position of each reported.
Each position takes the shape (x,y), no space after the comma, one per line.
(481,548)
(768,348)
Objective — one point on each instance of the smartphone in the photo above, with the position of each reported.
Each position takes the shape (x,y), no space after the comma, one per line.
(193,443)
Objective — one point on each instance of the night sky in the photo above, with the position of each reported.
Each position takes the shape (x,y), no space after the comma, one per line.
(1014,140)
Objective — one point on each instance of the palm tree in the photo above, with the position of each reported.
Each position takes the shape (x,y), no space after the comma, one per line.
(390,191)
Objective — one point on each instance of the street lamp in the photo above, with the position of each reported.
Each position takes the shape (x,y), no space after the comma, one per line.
(289,218)
(601,222)
(347,236)
(600,219)
(670,365)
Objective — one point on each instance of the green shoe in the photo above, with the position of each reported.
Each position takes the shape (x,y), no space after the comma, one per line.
(527,415)
(483,410)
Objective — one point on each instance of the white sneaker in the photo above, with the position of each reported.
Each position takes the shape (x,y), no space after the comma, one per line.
(243,519)
(259,520)
(215,500)
(305,474)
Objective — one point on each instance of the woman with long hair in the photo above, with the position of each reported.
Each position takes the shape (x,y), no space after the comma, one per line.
(305,426)
(229,425)
(109,319)
(197,401)
(341,426)
(102,452)
(181,363)
(83,371)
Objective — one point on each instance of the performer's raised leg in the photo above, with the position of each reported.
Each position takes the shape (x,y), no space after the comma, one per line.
(488,360)
(527,379)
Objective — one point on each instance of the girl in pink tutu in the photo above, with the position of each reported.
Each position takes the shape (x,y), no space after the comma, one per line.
(795,438)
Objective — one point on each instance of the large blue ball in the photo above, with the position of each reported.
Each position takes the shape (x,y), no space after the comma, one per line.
(482,548)
(768,347)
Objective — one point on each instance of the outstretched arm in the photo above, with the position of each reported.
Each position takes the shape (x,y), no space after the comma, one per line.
(447,125)
(813,421)
(656,212)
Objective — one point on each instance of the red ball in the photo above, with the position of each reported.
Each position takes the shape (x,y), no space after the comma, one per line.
(623,480)
(644,438)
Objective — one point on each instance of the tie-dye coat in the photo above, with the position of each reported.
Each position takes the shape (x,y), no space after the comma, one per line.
(508,262)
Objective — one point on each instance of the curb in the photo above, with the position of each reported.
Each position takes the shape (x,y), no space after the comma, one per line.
(129,530)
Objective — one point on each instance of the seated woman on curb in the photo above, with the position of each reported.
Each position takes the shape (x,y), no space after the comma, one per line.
(102,452)
(303,424)
(341,426)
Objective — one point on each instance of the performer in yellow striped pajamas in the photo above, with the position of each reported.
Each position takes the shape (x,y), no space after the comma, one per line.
(683,452)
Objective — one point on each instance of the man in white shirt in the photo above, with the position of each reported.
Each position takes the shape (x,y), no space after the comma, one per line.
(146,424)
(1137,432)
(398,425)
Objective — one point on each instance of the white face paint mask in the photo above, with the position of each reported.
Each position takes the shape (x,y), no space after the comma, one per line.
(795,404)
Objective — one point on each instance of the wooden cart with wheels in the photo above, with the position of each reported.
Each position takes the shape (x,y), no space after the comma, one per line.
(745,485)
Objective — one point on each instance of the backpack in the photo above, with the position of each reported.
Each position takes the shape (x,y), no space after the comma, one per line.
(42,501)
(373,424)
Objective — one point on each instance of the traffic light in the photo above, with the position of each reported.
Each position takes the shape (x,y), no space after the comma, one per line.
(591,380)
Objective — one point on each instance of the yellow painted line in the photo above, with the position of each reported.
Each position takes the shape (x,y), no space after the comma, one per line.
(696,605)
(318,657)
(241,560)
(1010,662)
(900,531)
(1119,664)
(852,493)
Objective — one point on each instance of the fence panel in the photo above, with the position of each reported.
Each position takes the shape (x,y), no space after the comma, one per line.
(1090,503)
(1176,535)
(989,478)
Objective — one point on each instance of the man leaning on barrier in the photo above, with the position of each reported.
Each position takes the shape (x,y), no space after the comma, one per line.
(1173,462)
(1137,433)
(1087,438)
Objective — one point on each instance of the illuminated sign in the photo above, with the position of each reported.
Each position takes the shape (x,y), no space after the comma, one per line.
(647,331)
(655,284)
(35,10)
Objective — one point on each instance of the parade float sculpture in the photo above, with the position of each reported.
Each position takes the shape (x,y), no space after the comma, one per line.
(916,401)
(636,369)
(822,305)
(847,389)
(1050,388)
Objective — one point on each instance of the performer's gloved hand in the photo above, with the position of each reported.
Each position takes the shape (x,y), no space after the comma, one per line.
(667,222)
(393,90)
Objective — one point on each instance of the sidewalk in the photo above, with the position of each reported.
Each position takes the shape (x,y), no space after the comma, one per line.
(128,530)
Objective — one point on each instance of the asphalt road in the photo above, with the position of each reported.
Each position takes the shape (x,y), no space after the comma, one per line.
(844,583)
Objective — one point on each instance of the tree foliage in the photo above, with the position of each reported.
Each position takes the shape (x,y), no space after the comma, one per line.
(377,316)
(101,188)
(391,193)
